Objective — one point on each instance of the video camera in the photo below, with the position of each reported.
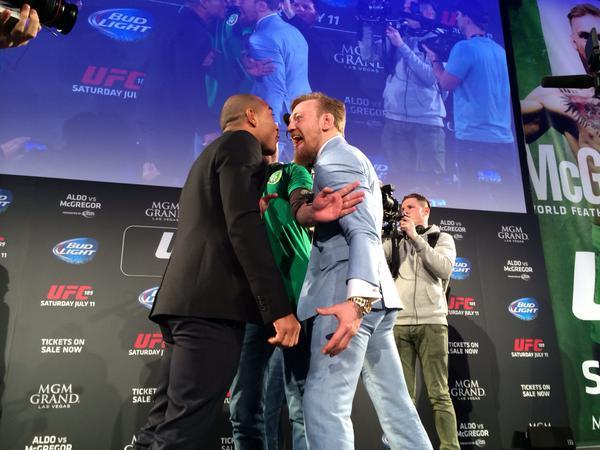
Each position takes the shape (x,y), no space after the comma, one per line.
(392,215)
(391,210)
(53,13)
(375,15)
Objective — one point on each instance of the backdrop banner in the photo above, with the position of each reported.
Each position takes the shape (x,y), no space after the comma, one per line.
(80,263)
(561,128)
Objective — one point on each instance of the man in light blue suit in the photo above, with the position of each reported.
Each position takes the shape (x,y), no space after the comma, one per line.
(285,47)
(350,293)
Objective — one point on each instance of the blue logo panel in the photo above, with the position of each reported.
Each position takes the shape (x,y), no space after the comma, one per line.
(462,269)
(124,24)
(526,308)
(6,198)
(77,250)
(147,297)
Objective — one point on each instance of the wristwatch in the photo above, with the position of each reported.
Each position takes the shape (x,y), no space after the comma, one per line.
(364,304)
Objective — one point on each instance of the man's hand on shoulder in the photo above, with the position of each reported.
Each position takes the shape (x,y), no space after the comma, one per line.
(21,32)
(349,317)
(287,331)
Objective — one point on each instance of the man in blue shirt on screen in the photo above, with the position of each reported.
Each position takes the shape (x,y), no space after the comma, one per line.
(477,74)
(284,46)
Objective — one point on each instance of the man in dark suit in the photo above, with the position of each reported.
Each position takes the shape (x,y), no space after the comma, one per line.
(221,275)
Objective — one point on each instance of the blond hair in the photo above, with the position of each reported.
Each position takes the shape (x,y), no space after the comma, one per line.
(327,104)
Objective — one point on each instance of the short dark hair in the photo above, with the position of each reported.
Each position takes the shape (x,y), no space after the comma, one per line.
(418,197)
(234,108)
(583,9)
(326,105)
(271,4)
(475,11)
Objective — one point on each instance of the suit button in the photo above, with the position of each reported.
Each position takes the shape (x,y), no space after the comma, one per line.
(261,303)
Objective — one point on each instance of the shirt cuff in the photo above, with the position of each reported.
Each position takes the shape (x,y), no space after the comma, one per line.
(360,288)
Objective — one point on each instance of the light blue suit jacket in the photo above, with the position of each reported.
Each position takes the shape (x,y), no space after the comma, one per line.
(284,45)
(351,246)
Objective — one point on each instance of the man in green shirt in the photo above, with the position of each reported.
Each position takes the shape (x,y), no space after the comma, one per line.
(290,242)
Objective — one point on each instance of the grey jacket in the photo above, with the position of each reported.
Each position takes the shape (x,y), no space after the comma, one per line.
(422,279)
(411,93)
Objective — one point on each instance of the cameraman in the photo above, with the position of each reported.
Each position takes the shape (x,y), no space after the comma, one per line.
(413,138)
(477,74)
(421,331)
(21,32)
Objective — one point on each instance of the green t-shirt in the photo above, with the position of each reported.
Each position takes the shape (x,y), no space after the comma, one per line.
(290,242)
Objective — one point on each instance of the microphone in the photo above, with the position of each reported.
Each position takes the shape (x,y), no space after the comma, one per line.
(569,82)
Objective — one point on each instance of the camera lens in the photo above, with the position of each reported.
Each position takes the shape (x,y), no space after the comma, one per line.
(65,21)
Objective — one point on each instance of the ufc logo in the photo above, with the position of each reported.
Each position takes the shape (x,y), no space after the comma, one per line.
(105,76)
(149,340)
(584,279)
(163,251)
(70,291)
(529,344)
(467,303)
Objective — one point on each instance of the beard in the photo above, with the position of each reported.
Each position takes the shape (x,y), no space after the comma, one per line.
(305,158)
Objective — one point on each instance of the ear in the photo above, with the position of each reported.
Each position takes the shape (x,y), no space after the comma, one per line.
(327,121)
(574,40)
(251,117)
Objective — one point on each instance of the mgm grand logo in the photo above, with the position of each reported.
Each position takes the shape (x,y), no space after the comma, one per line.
(350,57)
(467,390)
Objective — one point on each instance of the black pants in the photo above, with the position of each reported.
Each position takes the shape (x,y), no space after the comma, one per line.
(200,360)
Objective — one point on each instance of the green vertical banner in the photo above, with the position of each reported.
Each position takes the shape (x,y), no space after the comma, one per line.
(562,134)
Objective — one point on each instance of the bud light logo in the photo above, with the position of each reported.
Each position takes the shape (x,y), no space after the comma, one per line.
(462,269)
(524,308)
(6,199)
(124,24)
(147,297)
(76,251)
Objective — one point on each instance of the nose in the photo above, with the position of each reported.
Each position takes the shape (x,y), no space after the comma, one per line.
(290,125)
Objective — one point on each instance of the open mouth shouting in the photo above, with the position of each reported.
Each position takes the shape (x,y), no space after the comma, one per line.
(297,139)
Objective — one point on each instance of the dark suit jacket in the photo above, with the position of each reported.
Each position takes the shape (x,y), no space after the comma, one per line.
(221,265)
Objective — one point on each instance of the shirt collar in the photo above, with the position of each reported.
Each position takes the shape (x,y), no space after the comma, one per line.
(265,17)
(327,142)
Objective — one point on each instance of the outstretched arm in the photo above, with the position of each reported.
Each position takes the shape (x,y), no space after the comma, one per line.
(329,205)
